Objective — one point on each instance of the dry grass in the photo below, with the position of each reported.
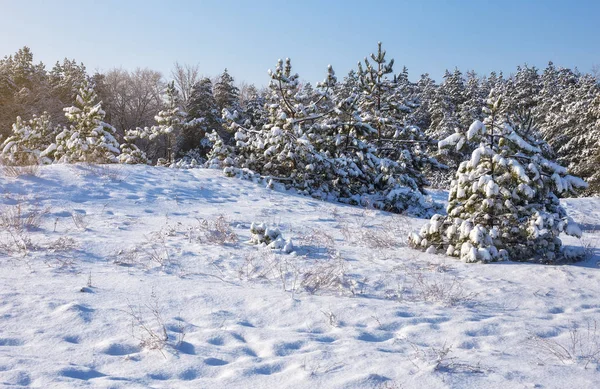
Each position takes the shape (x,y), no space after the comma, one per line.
(581,346)
(217,231)
(21,217)
(326,275)
(18,171)
(314,240)
(364,231)
(112,172)
(16,224)
(439,288)
(80,221)
(28,167)
(441,360)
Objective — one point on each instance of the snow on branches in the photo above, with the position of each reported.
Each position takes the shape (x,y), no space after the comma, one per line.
(503,202)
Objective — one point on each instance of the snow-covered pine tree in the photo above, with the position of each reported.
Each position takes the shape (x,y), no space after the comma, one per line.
(254,109)
(282,147)
(521,93)
(425,89)
(65,80)
(464,104)
(130,152)
(170,122)
(88,138)
(386,105)
(376,105)
(204,117)
(473,102)
(503,202)
(28,141)
(226,93)
(23,89)
(445,107)
(578,147)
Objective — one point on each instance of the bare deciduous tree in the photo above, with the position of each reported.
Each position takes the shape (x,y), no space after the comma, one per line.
(131,99)
(185,77)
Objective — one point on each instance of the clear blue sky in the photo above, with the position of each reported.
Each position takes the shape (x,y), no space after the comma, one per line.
(248,37)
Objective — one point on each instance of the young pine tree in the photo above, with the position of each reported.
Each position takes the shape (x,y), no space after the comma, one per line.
(28,141)
(171,121)
(503,202)
(130,152)
(88,138)
(203,116)
(226,93)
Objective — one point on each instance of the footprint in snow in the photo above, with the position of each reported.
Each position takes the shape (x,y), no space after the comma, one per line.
(81,373)
(376,338)
(264,370)
(287,348)
(11,342)
(189,374)
(215,362)
(119,349)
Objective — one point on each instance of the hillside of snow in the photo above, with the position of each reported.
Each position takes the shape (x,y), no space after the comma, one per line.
(143,277)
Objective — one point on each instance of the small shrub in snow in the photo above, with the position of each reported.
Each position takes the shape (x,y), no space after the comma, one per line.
(503,202)
(148,325)
(218,230)
(328,275)
(270,237)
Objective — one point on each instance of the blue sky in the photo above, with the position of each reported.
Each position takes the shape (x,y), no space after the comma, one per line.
(247,37)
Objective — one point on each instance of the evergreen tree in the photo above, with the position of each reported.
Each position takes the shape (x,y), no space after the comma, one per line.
(578,147)
(226,93)
(254,110)
(322,147)
(170,120)
(204,117)
(473,101)
(503,202)
(28,141)
(65,80)
(425,90)
(386,106)
(445,107)
(23,88)
(376,105)
(88,138)
(130,152)
(522,91)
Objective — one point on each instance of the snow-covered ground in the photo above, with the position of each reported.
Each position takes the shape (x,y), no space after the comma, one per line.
(98,263)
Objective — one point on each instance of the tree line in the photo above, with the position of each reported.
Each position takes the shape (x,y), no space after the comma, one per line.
(373,129)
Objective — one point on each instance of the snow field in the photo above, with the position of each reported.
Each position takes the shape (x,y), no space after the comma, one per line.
(115,257)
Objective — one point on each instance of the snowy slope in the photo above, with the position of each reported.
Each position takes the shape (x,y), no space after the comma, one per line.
(353,307)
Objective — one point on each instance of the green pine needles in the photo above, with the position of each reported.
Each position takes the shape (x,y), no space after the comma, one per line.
(503,202)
